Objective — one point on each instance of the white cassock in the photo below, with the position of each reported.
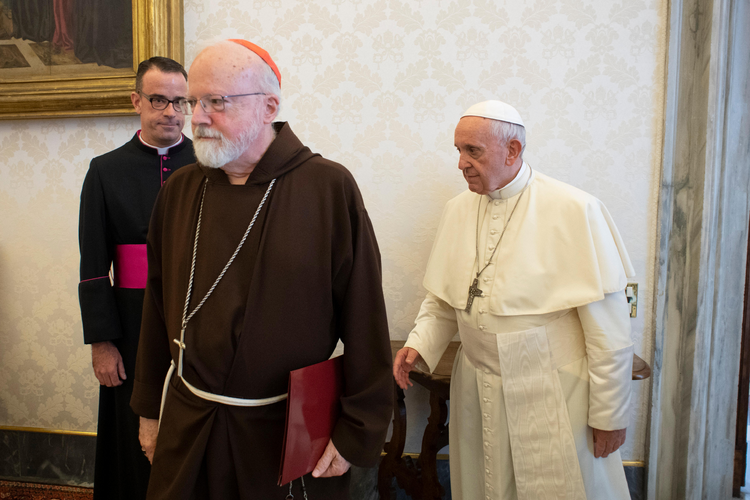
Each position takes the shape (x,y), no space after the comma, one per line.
(545,353)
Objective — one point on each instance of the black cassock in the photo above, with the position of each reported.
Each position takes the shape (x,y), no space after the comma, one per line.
(116,202)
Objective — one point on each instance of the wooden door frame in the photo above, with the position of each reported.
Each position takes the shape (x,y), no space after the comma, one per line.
(743,392)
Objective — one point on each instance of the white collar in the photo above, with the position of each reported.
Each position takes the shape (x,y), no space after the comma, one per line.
(160,151)
(513,187)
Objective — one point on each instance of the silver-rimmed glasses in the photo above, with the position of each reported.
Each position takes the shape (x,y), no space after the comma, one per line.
(212,103)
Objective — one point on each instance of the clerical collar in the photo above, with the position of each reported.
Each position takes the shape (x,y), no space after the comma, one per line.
(161,151)
(513,187)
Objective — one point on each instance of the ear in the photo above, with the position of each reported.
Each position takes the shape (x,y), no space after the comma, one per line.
(135,98)
(514,151)
(271,109)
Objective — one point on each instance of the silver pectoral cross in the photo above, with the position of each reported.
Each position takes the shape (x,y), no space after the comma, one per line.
(474,291)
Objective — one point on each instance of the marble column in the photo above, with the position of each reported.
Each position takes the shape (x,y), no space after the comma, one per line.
(704,207)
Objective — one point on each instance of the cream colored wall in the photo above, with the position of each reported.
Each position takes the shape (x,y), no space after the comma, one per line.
(45,370)
(377,85)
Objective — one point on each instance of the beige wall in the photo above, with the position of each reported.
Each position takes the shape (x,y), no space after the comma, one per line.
(377,85)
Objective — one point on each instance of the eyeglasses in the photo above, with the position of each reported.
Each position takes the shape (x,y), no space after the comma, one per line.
(160,102)
(212,103)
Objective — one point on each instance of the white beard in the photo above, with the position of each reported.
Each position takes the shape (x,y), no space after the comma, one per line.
(214,155)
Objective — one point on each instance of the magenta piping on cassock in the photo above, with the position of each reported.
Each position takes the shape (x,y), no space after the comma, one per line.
(92,279)
(131,266)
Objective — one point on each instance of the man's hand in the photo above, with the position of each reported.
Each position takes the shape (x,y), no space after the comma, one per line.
(405,360)
(331,463)
(147,433)
(606,442)
(107,362)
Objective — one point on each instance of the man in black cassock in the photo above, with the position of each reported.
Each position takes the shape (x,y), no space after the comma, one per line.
(306,274)
(116,202)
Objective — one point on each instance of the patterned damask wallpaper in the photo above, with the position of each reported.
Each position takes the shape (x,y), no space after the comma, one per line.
(377,85)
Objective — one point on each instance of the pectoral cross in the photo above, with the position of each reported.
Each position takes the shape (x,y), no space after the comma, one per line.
(182,347)
(474,291)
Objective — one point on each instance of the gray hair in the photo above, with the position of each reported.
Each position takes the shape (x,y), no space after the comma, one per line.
(267,80)
(505,132)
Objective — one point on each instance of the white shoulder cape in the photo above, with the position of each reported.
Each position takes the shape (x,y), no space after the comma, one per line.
(561,250)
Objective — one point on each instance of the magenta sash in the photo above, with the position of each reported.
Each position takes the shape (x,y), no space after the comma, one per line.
(131,266)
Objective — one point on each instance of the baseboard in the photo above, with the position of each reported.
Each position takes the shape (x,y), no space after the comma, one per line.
(57,459)
(47,457)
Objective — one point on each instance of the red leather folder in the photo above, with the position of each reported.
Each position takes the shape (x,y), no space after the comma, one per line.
(312,410)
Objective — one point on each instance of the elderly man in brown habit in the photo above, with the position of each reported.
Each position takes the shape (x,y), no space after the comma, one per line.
(261,257)
(530,272)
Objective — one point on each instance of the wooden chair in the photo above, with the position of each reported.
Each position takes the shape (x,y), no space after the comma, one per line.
(418,477)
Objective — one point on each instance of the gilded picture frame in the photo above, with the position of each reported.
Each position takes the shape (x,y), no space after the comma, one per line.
(157,30)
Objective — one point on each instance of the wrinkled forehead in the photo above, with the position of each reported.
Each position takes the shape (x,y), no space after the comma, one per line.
(472,127)
(223,69)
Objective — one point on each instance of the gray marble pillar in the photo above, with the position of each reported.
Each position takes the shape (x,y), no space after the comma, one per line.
(704,206)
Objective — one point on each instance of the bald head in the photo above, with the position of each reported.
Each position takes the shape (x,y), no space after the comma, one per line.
(229,61)
(236,78)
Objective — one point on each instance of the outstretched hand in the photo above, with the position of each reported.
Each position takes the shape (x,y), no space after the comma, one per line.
(405,360)
(606,442)
(331,463)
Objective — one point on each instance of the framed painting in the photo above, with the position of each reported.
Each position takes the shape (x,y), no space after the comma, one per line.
(71,58)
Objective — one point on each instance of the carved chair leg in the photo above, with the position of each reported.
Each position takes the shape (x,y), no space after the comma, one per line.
(435,438)
(394,448)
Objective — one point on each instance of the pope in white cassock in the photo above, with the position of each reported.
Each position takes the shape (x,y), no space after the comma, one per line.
(530,272)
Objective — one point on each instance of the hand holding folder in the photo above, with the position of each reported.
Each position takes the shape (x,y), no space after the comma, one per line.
(312,410)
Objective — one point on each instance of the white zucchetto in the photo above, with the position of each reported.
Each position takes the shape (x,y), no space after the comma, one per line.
(495,110)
